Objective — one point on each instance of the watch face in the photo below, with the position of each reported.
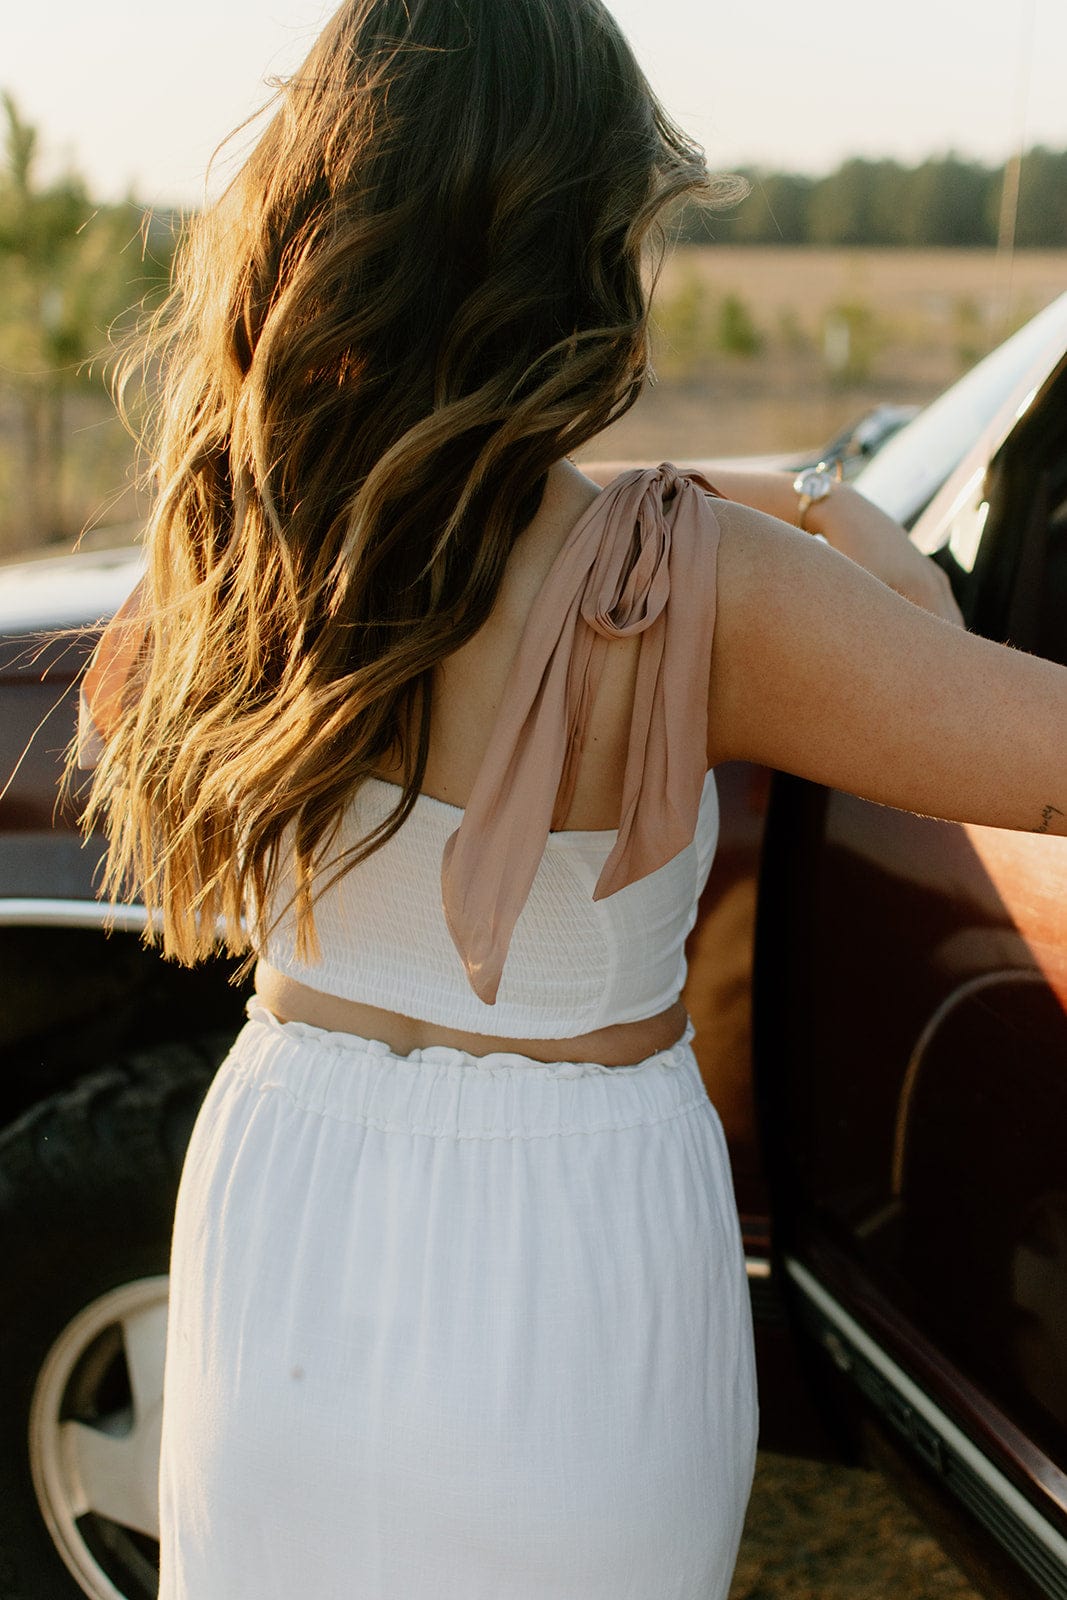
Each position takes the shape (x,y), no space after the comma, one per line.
(814,484)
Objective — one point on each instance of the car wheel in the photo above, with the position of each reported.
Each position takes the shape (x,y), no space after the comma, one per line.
(88,1180)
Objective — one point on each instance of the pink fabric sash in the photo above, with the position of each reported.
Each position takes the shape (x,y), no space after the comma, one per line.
(640,561)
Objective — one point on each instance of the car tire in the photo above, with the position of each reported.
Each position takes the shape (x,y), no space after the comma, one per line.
(88,1180)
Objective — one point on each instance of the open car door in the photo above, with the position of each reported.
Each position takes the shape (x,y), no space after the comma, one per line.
(910,1042)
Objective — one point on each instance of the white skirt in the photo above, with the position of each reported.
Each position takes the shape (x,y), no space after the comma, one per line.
(446,1327)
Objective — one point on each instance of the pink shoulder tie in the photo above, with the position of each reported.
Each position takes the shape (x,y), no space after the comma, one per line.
(640,561)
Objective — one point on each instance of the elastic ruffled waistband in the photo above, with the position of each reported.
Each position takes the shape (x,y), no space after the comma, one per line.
(443,1092)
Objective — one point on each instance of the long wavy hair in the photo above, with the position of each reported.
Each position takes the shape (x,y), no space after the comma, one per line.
(428,283)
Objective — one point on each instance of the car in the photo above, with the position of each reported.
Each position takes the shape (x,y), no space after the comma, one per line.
(849,450)
(881,1011)
(861,441)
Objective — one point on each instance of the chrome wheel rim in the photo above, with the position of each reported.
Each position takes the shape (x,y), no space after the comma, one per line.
(94,1435)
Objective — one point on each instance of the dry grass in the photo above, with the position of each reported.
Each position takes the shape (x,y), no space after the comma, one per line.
(818,1532)
(917,319)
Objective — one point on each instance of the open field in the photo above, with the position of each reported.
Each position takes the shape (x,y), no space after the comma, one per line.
(763,350)
(757,350)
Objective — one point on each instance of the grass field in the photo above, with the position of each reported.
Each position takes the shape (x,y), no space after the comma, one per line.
(762,350)
(757,350)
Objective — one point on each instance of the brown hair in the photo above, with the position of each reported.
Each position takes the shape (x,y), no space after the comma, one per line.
(424,287)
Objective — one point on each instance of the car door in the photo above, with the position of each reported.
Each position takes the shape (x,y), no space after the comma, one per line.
(910,1040)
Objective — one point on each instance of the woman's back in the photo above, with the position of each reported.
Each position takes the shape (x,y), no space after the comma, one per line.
(583,978)
(469,684)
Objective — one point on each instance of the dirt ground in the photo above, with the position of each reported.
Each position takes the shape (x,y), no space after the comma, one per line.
(820,1532)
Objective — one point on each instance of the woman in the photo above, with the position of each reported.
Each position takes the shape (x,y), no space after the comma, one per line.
(421,722)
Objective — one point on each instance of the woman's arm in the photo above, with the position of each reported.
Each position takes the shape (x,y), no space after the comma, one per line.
(820,669)
(847,521)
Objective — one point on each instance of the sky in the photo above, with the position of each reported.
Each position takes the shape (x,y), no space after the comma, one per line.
(136,95)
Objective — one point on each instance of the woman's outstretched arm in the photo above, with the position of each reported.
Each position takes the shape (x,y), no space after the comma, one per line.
(820,669)
(845,518)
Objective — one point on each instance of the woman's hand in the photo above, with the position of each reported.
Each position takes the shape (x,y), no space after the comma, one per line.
(100,695)
(864,533)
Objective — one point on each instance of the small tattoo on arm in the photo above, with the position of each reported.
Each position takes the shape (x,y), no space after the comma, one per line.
(1047,814)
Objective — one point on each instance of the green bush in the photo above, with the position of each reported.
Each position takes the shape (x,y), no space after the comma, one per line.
(853,335)
(969,331)
(737,333)
(683,339)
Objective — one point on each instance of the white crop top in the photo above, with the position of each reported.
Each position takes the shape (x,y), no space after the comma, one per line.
(574,964)
(484,918)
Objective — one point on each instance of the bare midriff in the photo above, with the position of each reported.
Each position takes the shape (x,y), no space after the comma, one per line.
(622,1045)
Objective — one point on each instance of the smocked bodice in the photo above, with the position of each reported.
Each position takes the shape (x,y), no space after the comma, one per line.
(574,964)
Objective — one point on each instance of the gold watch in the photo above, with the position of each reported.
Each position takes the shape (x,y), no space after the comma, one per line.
(811,486)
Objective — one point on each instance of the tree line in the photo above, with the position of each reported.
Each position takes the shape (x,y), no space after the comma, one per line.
(944,201)
(73,274)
